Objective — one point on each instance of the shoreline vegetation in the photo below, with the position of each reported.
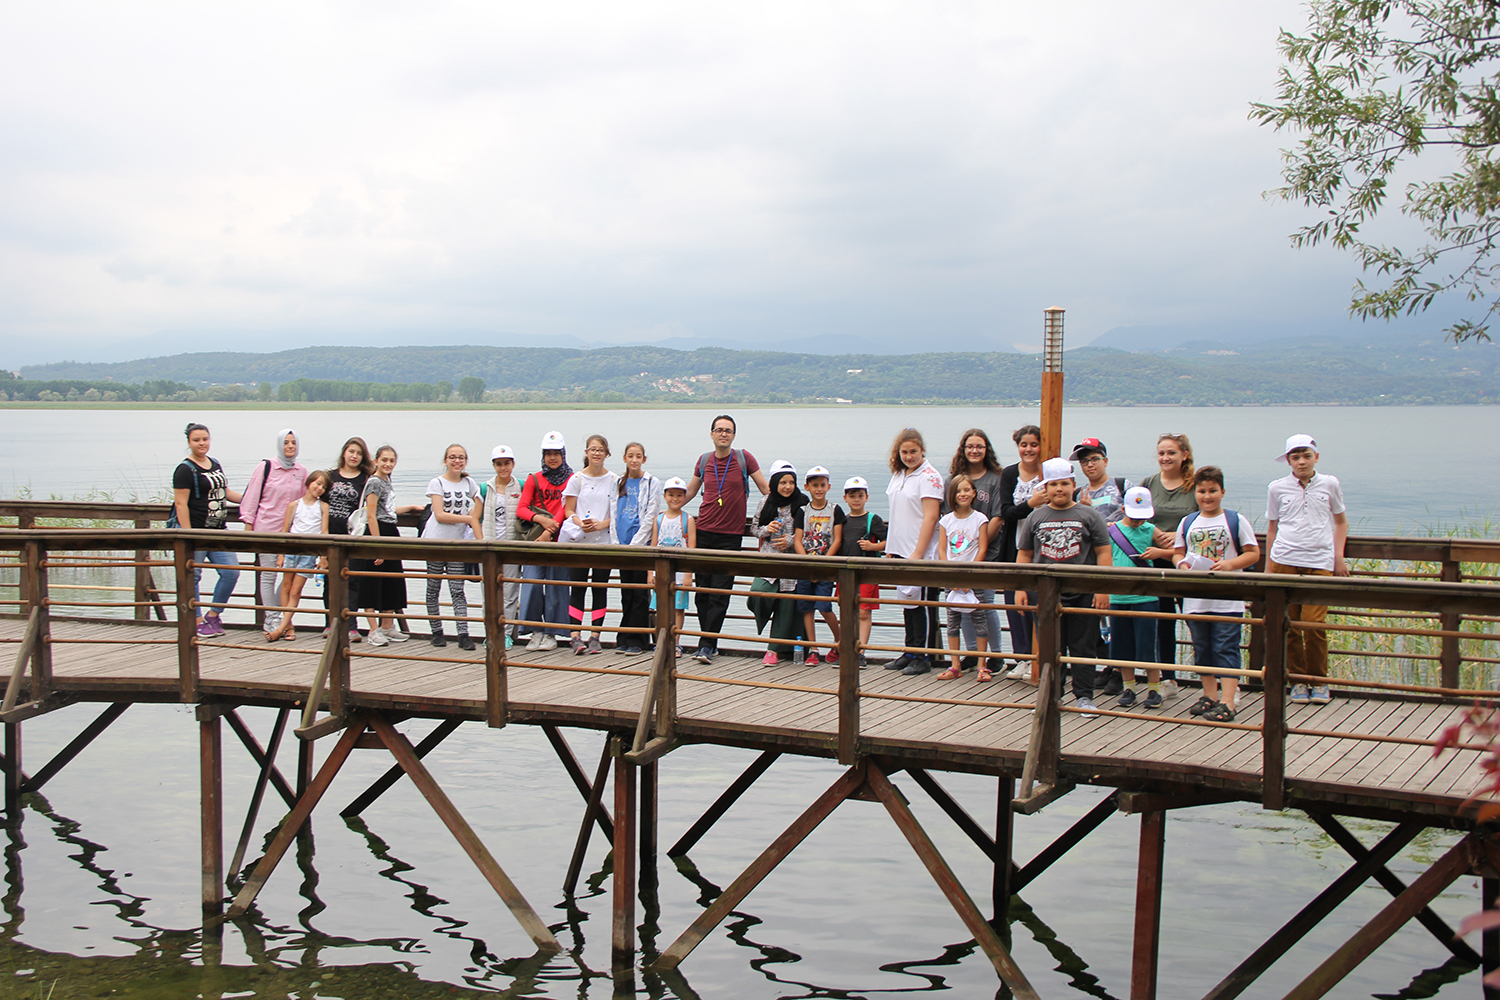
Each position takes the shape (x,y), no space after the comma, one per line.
(1390,373)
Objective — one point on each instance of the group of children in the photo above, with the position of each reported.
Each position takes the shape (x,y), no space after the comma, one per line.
(1307,527)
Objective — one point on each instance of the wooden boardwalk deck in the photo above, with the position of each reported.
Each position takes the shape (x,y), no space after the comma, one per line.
(138,661)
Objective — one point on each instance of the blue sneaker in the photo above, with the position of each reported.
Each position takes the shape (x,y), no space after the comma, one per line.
(1300,694)
(705,654)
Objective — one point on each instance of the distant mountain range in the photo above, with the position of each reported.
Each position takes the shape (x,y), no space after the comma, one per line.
(1212,372)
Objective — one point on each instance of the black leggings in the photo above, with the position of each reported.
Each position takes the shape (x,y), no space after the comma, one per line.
(576,613)
(922,623)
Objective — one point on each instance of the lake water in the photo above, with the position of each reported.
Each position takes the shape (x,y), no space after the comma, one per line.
(102,878)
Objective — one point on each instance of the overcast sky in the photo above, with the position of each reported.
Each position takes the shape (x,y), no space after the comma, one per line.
(257,176)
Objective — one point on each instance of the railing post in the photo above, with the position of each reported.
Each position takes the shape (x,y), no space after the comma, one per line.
(187,624)
(337,586)
(666,705)
(1449,654)
(1273,713)
(849,667)
(142,576)
(34,558)
(1048,647)
(666,598)
(496,694)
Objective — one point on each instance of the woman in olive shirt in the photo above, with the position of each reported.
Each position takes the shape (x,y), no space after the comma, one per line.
(1172,495)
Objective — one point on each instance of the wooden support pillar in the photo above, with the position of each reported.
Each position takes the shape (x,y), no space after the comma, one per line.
(187,623)
(267,767)
(392,775)
(304,766)
(1278,944)
(143,588)
(580,780)
(496,686)
(648,821)
(622,951)
(1450,656)
(1148,879)
(848,588)
(14,776)
(721,805)
(211,806)
(590,816)
(1273,707)
(1368,939)
(1003,864)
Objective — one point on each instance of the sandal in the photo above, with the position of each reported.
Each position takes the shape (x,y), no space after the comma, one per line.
(289,635)
(984,675)
(951,674)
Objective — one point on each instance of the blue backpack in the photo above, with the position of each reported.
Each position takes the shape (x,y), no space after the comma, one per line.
(1231,519)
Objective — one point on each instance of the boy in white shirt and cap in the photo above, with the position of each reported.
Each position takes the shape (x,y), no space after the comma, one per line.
(1305,536)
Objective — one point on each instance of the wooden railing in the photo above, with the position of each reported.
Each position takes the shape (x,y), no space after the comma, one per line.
(37,553)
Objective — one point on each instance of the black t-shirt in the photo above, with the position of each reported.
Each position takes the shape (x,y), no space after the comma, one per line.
(206,492)
(817,527)
(342,498)
(867,525)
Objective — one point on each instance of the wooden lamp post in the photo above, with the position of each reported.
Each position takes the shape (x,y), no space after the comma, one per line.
(1052,382)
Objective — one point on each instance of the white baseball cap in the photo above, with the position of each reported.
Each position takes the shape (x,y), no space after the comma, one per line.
(502,451)
(1138,504)
(781,465)
(817,471)
(856,483)
(1294,442)
(553,441)
(675,483)
(1055,469)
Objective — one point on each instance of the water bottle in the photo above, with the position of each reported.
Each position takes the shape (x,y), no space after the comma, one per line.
(1104,631)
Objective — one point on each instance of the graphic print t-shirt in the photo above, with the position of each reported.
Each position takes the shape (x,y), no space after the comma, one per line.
(817,527)
(962,535)
(342,499)
(458,498)
(206,497)
(1063,536)
(1209,537)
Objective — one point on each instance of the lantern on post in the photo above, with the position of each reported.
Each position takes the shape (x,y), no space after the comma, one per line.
(1052,382)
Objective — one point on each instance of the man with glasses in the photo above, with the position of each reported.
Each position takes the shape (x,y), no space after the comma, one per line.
(724,475)
(1104,493)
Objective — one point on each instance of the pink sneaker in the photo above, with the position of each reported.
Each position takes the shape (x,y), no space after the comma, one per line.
(812,660)
(770,659)
(832,657)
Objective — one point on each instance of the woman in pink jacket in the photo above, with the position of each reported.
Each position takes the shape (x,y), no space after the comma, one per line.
(274,484)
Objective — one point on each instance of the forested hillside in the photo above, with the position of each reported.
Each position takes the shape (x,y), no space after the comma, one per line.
(1266,374)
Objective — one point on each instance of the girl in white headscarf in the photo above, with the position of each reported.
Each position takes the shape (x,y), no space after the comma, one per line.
(275,483)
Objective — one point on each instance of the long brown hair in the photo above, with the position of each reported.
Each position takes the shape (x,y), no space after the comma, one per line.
(1181,441)
(366,461)
(960,461)
(908,434)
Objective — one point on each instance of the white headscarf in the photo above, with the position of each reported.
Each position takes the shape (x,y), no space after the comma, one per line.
(280,452)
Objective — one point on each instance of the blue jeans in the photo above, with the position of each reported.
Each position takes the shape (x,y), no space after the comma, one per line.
(227,577)
(1215,644)
(545,604)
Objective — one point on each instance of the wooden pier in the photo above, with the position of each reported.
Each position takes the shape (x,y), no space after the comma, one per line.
(1368,754)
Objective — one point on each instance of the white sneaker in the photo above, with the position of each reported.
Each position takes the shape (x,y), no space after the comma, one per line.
(1020,672)
(395,634)
(535,642)
(376,638)
(1169,690)
(548,642)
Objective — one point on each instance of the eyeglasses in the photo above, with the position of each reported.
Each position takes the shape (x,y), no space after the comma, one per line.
(1090,459)
(723,430)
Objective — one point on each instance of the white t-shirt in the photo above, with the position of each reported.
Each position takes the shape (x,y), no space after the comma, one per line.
(596,496)
(906,492)
(458,498)
(963,535)
(1304,520)
(1209,537)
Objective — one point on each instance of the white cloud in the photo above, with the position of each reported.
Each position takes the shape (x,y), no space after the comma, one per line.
(628,170)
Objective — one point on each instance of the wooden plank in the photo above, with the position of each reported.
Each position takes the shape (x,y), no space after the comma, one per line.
(402,750)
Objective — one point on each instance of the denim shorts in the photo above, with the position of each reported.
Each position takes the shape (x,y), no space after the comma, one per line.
(302,562)
(814,588)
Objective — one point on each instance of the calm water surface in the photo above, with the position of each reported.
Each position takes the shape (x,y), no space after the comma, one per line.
(102,877)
